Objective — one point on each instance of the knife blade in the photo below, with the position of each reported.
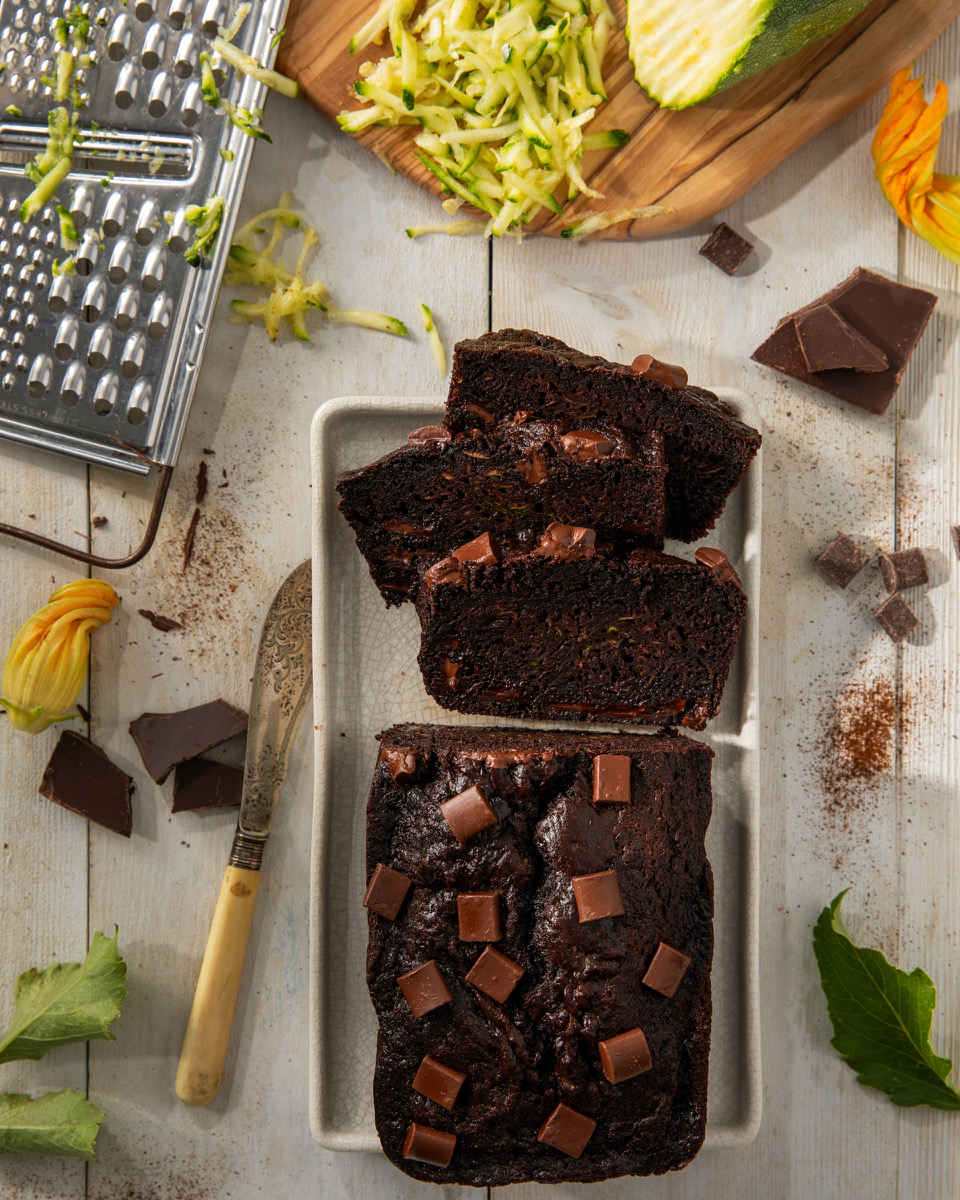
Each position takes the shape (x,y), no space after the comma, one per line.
(282,685)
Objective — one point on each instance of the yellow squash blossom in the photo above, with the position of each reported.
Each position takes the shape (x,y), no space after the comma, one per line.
(47,662)
(904,151)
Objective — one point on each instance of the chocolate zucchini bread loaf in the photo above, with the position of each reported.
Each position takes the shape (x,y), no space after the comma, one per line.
(436,493)
(708,447)
(572,631)
(541,939)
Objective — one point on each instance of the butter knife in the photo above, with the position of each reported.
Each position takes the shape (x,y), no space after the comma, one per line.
(280,694)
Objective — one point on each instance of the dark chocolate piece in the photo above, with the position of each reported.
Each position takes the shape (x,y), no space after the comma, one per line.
(386,891)
(188,538)
(955,534)
(99,522)
(726,249)
(597,896)
(904,569)
(482,549)
(829,343)
(567,1130)
(80,777)
(624,1056)
(424,988)
(202,783)
(584,445)
(889,315)
(402,765)
(201,483)
(495,974)
(467,814)
(566,542)
(478,914)
(611,779)
(167,739)
(164,624)
(666,969)
(428,1145)
(842,559)
(896,618)
(438,1082)
(718,563)
(648,367)
(428,435)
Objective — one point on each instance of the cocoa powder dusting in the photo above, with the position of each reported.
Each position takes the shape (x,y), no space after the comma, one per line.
(858,746)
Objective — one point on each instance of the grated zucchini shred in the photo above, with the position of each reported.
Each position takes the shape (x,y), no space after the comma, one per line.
(290,295)
(500,93)
(588,222)
(436,345)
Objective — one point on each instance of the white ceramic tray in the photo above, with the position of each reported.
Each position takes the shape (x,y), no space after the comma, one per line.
(366,678)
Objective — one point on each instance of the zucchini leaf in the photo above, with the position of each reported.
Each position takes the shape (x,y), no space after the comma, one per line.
(881,1018)
(57,1123)
(66,1002)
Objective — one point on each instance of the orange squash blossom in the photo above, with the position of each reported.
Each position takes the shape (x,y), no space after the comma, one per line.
(904,152)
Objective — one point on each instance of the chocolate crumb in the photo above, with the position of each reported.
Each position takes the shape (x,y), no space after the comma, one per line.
(201,483)
(164,624)
(188,540)
(99,522)
(83,713)
(842,560)
(206,450)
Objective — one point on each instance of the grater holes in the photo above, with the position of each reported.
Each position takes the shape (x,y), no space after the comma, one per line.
(213,17)
(98,352)
(121,259)
(46,66)
(15,316)
(9,381)
(52,239)
(33,88)
(27,298)
(28,64)
(66,338)
(153,269)
(22,364)
(118,40)
(154,43)
(192,104)
(74,380)
(126,89)
(5,249)
(42,281)
(138,406)
(177,14)
(143,10)
(60,292)
(188,51)
(161,94)
(86,257)
(105,396)
(179,237)
(127,307)
(39,379)
(81,207)
(148,221)
(14,81)
(132,356)
(94,300)
(38,23)
(114,215)
(31,321)
(160,314)
(18,339)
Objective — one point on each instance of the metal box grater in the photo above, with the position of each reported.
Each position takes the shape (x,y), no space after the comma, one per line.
(101,365)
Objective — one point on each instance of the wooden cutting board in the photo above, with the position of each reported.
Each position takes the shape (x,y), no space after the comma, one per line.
(696,162)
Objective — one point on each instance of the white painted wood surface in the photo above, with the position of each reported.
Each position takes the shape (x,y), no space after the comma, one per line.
(889,482)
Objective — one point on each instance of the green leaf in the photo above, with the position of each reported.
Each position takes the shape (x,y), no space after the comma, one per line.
(57,1123)
(881,1018)
(67,1002)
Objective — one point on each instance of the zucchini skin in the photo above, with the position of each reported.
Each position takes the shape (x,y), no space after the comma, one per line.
(788,27)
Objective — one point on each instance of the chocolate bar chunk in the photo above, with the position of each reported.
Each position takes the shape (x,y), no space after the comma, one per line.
(842,559)
(726,249)
(478,915)
(567,1130)
(495,975)
(468,814)
(202,783)
(896,618)
(597,896)
(427,1145)
(79,776)
(666,970)
(890,316)
(438,1082)
(903,569)
(611,779)
(386,891)
(624,1056)
(167,739)
(424,988)
(829,343)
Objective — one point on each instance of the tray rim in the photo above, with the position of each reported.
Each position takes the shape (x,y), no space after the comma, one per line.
(739,1133)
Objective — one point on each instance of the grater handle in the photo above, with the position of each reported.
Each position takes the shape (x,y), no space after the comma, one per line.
(96,560)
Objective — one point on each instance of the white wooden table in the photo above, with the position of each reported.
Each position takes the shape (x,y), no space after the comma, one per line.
(893,482)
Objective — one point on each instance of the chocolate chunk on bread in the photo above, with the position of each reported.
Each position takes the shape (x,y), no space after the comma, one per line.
(576,1047)
(708,448)
(573,631)
(422,501)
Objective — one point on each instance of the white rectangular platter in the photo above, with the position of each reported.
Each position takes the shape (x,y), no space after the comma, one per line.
(366,678)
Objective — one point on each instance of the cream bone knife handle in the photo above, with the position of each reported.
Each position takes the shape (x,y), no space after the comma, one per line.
(208,1030)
